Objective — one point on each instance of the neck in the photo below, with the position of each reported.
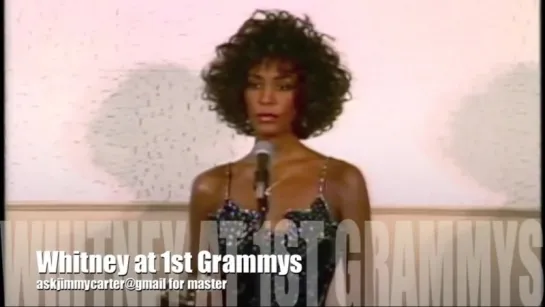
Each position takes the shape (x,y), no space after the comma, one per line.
(284,145)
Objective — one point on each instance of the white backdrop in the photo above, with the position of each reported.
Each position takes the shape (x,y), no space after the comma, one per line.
(103,98)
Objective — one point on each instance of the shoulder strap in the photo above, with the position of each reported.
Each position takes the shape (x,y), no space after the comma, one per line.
(323,176)
(229,175)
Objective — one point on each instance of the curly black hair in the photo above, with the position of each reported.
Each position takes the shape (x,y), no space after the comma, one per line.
(325,84)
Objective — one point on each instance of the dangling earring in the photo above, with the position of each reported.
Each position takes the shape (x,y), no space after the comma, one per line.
(248,126)
(304,122)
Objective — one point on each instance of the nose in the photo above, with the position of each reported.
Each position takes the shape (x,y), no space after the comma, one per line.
(266,95)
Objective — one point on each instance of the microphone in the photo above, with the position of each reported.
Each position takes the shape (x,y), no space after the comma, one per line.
(263,151)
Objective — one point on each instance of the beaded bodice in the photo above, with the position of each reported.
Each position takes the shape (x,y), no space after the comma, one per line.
(311,235)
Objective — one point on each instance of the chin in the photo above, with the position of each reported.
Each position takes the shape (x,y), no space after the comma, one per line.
(270,132)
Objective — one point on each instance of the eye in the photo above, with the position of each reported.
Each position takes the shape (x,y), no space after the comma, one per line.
(286,87)
(253,85)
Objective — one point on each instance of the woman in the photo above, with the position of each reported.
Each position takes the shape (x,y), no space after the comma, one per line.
(278,80)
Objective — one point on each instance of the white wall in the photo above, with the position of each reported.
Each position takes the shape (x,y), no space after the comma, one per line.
(445,108)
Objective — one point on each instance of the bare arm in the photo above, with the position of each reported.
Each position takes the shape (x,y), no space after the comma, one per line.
(203,200)
(205,196)
(356,207)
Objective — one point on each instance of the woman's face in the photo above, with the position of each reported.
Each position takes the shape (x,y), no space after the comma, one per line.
(270,98)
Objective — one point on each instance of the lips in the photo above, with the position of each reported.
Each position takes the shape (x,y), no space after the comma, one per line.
(266,117)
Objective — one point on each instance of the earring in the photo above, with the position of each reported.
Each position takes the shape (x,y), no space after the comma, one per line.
(248,126)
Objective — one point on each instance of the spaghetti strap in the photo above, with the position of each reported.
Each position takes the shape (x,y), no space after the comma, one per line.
(323,175)
(229,175)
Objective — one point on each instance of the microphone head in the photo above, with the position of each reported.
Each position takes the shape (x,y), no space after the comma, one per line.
(263,147)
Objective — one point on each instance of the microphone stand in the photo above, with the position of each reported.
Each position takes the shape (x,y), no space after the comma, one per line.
(261,186)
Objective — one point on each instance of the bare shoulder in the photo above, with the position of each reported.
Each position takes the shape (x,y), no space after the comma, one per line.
(346,174)
(208,187)
(351,191)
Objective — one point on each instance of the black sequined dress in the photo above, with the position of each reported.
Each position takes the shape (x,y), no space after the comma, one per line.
(311,235)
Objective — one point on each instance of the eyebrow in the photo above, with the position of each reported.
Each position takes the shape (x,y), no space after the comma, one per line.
(278,77)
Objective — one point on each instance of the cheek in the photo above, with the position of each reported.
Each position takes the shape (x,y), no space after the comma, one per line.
(288,104)
(250,99)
